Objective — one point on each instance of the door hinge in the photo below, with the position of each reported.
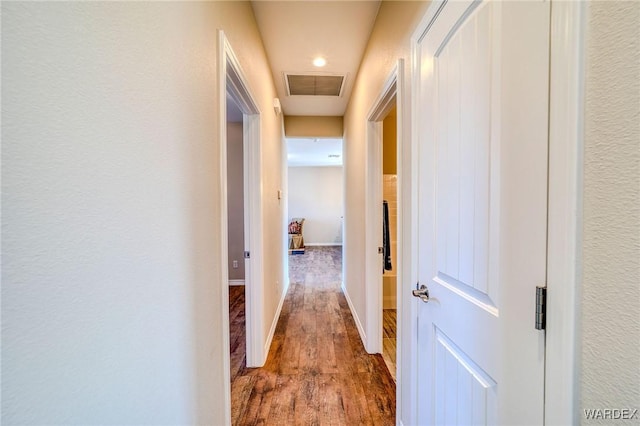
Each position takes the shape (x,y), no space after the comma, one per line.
(247,255)
(541,308)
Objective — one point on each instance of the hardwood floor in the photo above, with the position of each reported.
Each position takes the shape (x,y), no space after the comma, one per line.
(389,324)
(317,371)
(237,334)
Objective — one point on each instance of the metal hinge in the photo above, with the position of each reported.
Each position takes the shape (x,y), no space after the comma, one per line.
(541,308)
(247,255)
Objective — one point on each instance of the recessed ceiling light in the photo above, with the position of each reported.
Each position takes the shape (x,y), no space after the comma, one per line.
(319,61)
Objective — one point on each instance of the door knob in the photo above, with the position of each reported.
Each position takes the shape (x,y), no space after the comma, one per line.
(422,293)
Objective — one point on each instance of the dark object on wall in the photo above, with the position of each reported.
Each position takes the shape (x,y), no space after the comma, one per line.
(386,243)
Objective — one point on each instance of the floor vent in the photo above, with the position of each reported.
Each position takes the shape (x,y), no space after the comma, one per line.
(314,85)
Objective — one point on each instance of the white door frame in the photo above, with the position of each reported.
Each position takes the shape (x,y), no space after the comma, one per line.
(564,218)
(387,98)
(393,92)
(564,261)
(232,81)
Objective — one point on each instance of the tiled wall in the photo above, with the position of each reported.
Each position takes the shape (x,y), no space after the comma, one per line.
(390,194)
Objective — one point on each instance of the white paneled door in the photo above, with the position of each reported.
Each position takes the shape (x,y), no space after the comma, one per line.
(482,122)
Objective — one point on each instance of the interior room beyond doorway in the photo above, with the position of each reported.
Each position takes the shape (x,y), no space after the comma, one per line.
(390,240)
(315,192)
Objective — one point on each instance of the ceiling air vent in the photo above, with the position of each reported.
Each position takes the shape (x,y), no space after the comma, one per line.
(314,85)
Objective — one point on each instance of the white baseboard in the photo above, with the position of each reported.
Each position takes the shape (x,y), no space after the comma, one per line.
(363,335)
(272,331)
(236,282)
(322,244)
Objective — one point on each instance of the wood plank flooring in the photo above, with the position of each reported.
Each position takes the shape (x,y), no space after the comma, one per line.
(389,324)
(237,334)
(317,371)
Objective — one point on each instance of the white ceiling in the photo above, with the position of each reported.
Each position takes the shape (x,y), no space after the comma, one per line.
(295,32)
(314,152)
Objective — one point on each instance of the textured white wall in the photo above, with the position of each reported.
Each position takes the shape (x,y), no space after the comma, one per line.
(317,194)
(111,300)
(390,41)
(610,370)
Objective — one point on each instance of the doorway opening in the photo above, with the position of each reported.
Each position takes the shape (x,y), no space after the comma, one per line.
(236,89)
(315,199)
(235,99)
(315,192)
(389,239)
(387,272)
(236,237)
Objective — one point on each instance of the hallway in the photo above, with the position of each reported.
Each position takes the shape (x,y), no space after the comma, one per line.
(317,371)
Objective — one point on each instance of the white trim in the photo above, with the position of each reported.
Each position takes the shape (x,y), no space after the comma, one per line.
(223,225)
(405,302)
(345,237)
(386,99)
(373,205)
(408,411)
(564,227)
(373,238)
(285,209)
(354,314)
(232,81)
(274,324)
(236,282)
(421,30)
(393,92)
(322,244)
(373,228)
(254,292)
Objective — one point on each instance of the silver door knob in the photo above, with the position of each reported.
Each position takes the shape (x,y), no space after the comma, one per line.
(422,293)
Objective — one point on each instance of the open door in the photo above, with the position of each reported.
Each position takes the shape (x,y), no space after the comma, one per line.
(482,133)
(233,85)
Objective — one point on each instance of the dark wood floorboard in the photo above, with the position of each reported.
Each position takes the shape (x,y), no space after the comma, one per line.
(237,335)
(317,371)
